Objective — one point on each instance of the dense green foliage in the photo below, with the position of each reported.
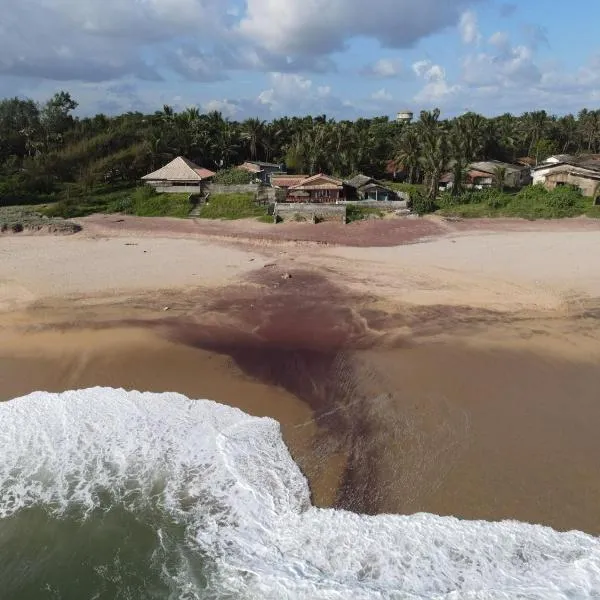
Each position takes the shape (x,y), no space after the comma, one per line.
(87,164)
(233,176)
(232,206)
(533,202)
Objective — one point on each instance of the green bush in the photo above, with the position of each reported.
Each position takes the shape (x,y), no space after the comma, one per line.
(22,188)
(234,176)
(355,212)
(532,202)
(422,204)
(232,206)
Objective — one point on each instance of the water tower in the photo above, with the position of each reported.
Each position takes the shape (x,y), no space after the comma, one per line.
(404,116)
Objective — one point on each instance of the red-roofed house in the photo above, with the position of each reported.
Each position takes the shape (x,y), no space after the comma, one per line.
(318,188)
(287,181)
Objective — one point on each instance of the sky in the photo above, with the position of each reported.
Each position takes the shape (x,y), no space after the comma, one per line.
(268,58)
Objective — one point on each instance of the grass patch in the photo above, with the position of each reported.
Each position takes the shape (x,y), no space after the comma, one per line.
(529,203)
(78,202)
(266,218)
(145,202)
(355,212)
(232,206)
(593,212)
(142,201)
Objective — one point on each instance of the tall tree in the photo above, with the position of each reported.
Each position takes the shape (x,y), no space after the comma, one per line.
(534,125)
(408,153)
(434,149)
(253,131)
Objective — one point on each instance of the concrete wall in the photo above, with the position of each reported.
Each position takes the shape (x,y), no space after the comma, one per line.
(310,213)
(380,204)
(177,189)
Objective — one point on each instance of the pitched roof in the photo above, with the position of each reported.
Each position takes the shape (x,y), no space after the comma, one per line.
(574,170)
(489,166)
(359,180)
(250,167)
(256,166)
(471,173)
(263,164)
(475,173)
(590,162)
(526,161)
(560,158)
(180,169)
(319,182)
(286,181)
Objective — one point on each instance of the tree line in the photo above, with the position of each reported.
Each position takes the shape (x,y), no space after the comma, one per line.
(45,149)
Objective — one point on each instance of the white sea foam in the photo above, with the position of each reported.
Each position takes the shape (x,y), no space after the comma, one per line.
(230,478)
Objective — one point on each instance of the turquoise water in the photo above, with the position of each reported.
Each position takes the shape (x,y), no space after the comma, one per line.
(107,494)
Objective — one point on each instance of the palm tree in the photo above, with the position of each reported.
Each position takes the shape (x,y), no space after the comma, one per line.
(589,123)
(500,178)
(567,131)
(408,153)
(225,146)
(460,149)
(475,131)
(434,150)
(503,137)
(253,131)
(533,126)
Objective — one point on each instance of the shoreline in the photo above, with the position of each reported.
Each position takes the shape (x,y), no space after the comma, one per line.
(473,406)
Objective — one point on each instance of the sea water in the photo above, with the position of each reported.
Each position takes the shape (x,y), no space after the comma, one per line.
(108,494)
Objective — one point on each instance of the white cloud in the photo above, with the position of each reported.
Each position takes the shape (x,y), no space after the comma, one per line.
(285,87)
(436,89)
(500,40)
(204,40)
(319,27)
(289,93)
(469,30)
(382,94)
(95,41)
(384,68)
(512,67)
(196,65)
(226,107)
(429,71)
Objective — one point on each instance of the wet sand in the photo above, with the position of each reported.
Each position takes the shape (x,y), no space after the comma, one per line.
(379,421)
(484,405)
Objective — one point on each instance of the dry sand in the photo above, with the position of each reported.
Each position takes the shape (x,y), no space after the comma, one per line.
(457,375)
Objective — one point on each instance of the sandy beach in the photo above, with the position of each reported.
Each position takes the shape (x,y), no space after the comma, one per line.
(414,365)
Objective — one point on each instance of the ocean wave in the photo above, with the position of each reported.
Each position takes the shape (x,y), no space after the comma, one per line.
(228,480)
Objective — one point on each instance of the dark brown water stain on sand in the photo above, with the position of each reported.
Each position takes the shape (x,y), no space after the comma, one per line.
(438,428)
(305,334)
